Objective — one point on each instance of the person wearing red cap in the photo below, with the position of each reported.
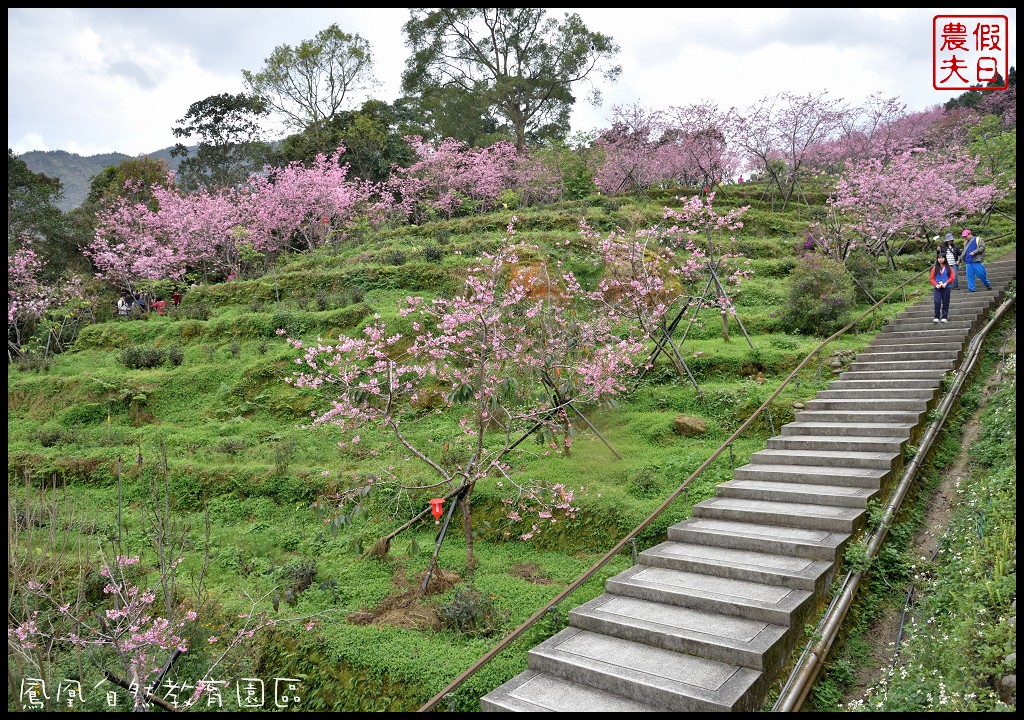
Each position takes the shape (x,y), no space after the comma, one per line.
(974,256)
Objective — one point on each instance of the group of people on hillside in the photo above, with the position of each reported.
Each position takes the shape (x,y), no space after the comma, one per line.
(128,303)
(945,273)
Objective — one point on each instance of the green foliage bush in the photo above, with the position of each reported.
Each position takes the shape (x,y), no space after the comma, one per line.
(83,414)
(863,266)
(102,336)
(137,358)
(194,311)
(822,296)
(472,612)
(433,254)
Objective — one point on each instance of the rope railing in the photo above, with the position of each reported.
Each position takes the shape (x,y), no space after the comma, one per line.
(800,680)
(683,488)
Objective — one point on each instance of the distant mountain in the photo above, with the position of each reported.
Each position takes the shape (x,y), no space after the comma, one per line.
(75,172)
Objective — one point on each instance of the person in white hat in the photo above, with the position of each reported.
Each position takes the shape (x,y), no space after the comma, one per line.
(952,252)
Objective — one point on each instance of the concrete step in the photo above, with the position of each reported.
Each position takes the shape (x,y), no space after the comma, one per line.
(929,375)
(736,598)
(903,323)
(858,416)
(927,394)
(863,443)
(789,492)
(963,310)
(970,302)
(809,516)
(858,429)
(653,676)
(874,384)
(955,347)
(796,542)
(876,355)
(825,458)
(747,643)
(871,478)
(760,567)
(953,323)
(941,334)
(940,366)
(913,405)
(533,691)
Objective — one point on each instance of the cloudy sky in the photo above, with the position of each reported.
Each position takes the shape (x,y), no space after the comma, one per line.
(95,80)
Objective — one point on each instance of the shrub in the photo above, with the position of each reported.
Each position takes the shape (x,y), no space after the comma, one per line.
(864,268)
(137,358)
(821,298)
(195,311)
(471,612)
(31,361)
(232,446)
(175,355)
(395,257)
(82,414)
(433,254)
(509,200)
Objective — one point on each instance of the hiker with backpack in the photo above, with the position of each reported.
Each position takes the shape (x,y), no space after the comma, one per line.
(974,255)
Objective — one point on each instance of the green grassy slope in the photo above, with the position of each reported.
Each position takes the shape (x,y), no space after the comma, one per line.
(230,430)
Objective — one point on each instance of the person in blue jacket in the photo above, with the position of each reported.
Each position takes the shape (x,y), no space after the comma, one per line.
(974,256)
(942,278)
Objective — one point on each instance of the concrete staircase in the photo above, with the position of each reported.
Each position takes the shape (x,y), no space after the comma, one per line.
(708,619)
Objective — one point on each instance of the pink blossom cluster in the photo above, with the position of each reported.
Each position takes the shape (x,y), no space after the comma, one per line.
(520,343)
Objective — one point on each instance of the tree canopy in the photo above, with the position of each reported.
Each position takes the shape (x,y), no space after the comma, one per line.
(231,145)
(372,137)
(32,212)
(523,64)
(309,84)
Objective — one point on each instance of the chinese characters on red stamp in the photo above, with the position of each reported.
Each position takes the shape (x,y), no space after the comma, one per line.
(970,52)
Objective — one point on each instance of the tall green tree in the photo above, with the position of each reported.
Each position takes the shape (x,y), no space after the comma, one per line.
(33,215)
(523,64)
(309,84)
(373,137)
(996,148)
(132,179)
(230,143)
(437,113)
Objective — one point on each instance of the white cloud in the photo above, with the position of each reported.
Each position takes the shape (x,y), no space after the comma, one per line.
(92,80)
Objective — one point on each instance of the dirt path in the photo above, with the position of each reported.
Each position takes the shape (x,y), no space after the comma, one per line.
(886,630)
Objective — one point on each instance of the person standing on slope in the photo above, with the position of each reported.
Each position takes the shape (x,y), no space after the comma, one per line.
(952,258)
(974,255)
(942,278)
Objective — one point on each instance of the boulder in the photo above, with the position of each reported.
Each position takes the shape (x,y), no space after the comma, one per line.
(689,426)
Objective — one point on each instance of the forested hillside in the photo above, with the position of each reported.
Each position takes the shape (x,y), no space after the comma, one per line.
(76,172)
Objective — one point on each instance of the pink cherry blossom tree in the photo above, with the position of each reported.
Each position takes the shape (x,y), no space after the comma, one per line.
(27,297)
(307,206)
(629,151)
(781,133)
(452,178)
(913,196)
(516,353)
(43,317)
(699,220)
(698,134)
